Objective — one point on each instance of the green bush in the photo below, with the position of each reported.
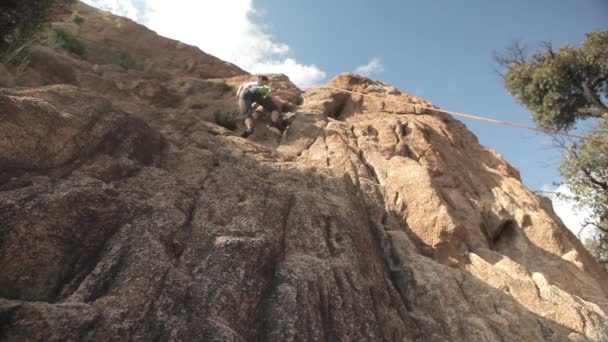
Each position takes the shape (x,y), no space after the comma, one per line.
(77,18)
(226,119)
(70,42)
(127,62)
(17,53)
(20,20)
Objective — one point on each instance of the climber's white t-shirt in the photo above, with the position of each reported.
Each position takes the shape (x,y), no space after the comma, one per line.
(249,86)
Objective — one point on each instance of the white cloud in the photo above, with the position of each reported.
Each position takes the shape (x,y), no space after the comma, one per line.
(306,75)
(374,66)
(123,8)
(572,217)
(224,29)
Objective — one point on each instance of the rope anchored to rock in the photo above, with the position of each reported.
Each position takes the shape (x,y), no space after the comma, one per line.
(475,117)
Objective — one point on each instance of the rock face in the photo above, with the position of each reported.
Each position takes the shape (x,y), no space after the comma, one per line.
(127,214)
(6,79)
(117,40)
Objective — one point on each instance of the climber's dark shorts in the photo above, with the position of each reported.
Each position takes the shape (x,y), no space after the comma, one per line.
(247,100)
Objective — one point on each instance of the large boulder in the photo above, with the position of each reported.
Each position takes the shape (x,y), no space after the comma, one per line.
(126,213)
(116,40)
(54,126)
(376,225)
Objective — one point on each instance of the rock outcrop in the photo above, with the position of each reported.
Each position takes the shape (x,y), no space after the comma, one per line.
(127,214)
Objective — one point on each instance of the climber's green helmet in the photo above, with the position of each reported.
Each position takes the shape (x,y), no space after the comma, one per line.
(265,90)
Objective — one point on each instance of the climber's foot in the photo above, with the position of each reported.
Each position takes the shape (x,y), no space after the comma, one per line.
(247,133)
(279,125)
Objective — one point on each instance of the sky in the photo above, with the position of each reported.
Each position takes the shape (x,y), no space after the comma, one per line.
(440,50)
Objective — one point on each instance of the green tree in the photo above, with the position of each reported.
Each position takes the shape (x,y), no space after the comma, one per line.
(561,88)
(20,19)
(585,170)
(78,19)
(599,249)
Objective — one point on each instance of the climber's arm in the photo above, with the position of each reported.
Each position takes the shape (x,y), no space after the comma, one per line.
(238,92)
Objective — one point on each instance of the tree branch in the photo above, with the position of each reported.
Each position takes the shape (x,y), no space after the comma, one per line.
(515,53)
(587,223)
(594,112)
(602,185)
(593,98)
(549,48)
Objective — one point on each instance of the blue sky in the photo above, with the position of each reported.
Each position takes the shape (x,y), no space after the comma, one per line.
(440,50)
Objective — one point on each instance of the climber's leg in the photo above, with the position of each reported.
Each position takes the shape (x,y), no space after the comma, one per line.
(276,120)
(271,107)
(245,105)
(249,126)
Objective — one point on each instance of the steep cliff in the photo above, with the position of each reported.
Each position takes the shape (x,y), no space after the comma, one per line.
(127,214)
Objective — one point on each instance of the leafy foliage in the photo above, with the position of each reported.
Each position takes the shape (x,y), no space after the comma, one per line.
(16,54)
(598,247)
(127,62)
(585,169)
(562,86)
(77,18)
(70,41)
(20,19)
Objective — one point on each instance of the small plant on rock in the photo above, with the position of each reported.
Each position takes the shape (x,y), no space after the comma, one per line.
(127,62)
(17,54)
(70,41)
(77,18)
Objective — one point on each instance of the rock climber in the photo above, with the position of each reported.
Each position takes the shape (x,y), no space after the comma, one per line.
(253,94)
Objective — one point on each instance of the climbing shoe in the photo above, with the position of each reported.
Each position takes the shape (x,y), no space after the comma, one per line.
(279,125)
(247,133)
